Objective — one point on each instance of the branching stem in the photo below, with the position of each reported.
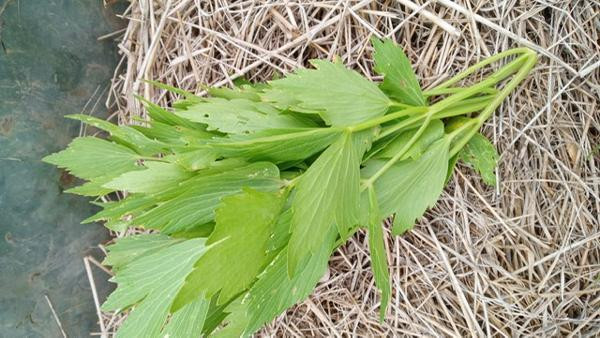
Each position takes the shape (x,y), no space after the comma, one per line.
(460,101)
(531,59)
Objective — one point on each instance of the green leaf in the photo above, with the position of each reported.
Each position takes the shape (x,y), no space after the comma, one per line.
(194,201)
(400,81)
(190,203)
(238,116)
(237,320)
(202,230)
(188,321)
(281,232)
(127,249)
(216,314)
(135,204)
(281,99)
(93,187)
(116,225)
(161,115)
(149,284)
(246,193)
(242,81)
(275,291)
(378,253)
(91,157)
(114,211)
(451,166)
(235,93)
(409,187)
(341,96)
(327,195)
(157,177)
(193,160)
(481,154)
(379,145)
(244,224)
(174,136)
(433,132)
(184,93)
(124,135)
(276,145)
(162,132)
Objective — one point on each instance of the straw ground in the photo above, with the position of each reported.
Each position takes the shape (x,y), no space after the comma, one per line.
(518,259)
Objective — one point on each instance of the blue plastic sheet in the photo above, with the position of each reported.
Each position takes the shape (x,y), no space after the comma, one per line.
(51,64)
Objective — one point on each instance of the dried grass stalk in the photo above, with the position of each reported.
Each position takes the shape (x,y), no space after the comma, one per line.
(520,259)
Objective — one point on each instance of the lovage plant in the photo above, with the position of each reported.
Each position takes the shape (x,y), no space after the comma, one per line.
(249,191)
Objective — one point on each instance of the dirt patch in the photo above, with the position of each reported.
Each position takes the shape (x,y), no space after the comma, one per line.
(6,125)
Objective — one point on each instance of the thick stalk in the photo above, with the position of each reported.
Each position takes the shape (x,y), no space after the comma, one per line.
(461,108)
(386,118)
(457,97)
(474,124)
(452,90)
(465,107)
(504,92)
(492,80)
(522,65)
(479,65)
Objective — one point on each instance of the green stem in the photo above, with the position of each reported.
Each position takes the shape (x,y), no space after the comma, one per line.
(399,126)
(386,118)
(510,86)
(458,103)
(452,90)
(289,184)
(399,154)
(492,80)
(465,107)
(458,108)
(521,65)
(531,59)
(481,64)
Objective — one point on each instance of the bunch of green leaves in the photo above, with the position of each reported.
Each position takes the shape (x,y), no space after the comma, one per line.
(250,189)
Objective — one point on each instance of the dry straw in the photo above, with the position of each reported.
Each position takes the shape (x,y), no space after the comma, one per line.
(520,259)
